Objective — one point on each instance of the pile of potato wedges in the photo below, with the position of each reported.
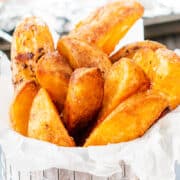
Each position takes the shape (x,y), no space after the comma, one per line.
(79,92)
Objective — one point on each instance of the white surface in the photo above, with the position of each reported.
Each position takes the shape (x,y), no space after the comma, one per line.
(151,157)
(136,33)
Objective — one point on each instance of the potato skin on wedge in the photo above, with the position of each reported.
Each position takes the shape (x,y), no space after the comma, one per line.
(130,120)
(45,123)
(163,69)
(84,97)
(123,79)
(108,24)
(80,54)
(31,40)
(129,50)
(53,73)
(21,105)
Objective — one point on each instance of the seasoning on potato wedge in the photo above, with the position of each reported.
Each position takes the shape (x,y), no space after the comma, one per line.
(53,73)
(45,123)
(21,105)
(163,69)
(130,49)
(130,120)
(84,97)
(31,40)
(123,79)
(108,24)
(80,54)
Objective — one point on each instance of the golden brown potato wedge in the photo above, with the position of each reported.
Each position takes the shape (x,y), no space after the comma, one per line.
(123,79)
(131,119)
(84,97)
(53,73)
(80,54)
(130,49)
(167,76)
(45,123)
(21,105)
(108,24)
(31,40)
(146,59)
(163,69)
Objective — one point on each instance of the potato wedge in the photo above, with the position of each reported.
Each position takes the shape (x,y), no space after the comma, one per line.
(167,76)
(163,69)
(81,54)
(21,105)
(108,24)
(31,40)
(45,123)
(146,59)
(131,119)
(130,49)
(84,97)
(53,73)
(123,79)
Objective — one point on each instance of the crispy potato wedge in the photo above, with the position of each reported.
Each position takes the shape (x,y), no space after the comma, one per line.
(123,79)
(84,97)
(21,105)
(53,73)
(108,24)
(163,69)
(146,59)
(45,123)
(167,76)
(81,54)
(131,119)
(31,40)
(130,49)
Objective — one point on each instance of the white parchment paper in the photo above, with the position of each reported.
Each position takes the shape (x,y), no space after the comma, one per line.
(151,157)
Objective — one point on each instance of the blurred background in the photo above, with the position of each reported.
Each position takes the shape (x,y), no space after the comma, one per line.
(161,17)
(161,21)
